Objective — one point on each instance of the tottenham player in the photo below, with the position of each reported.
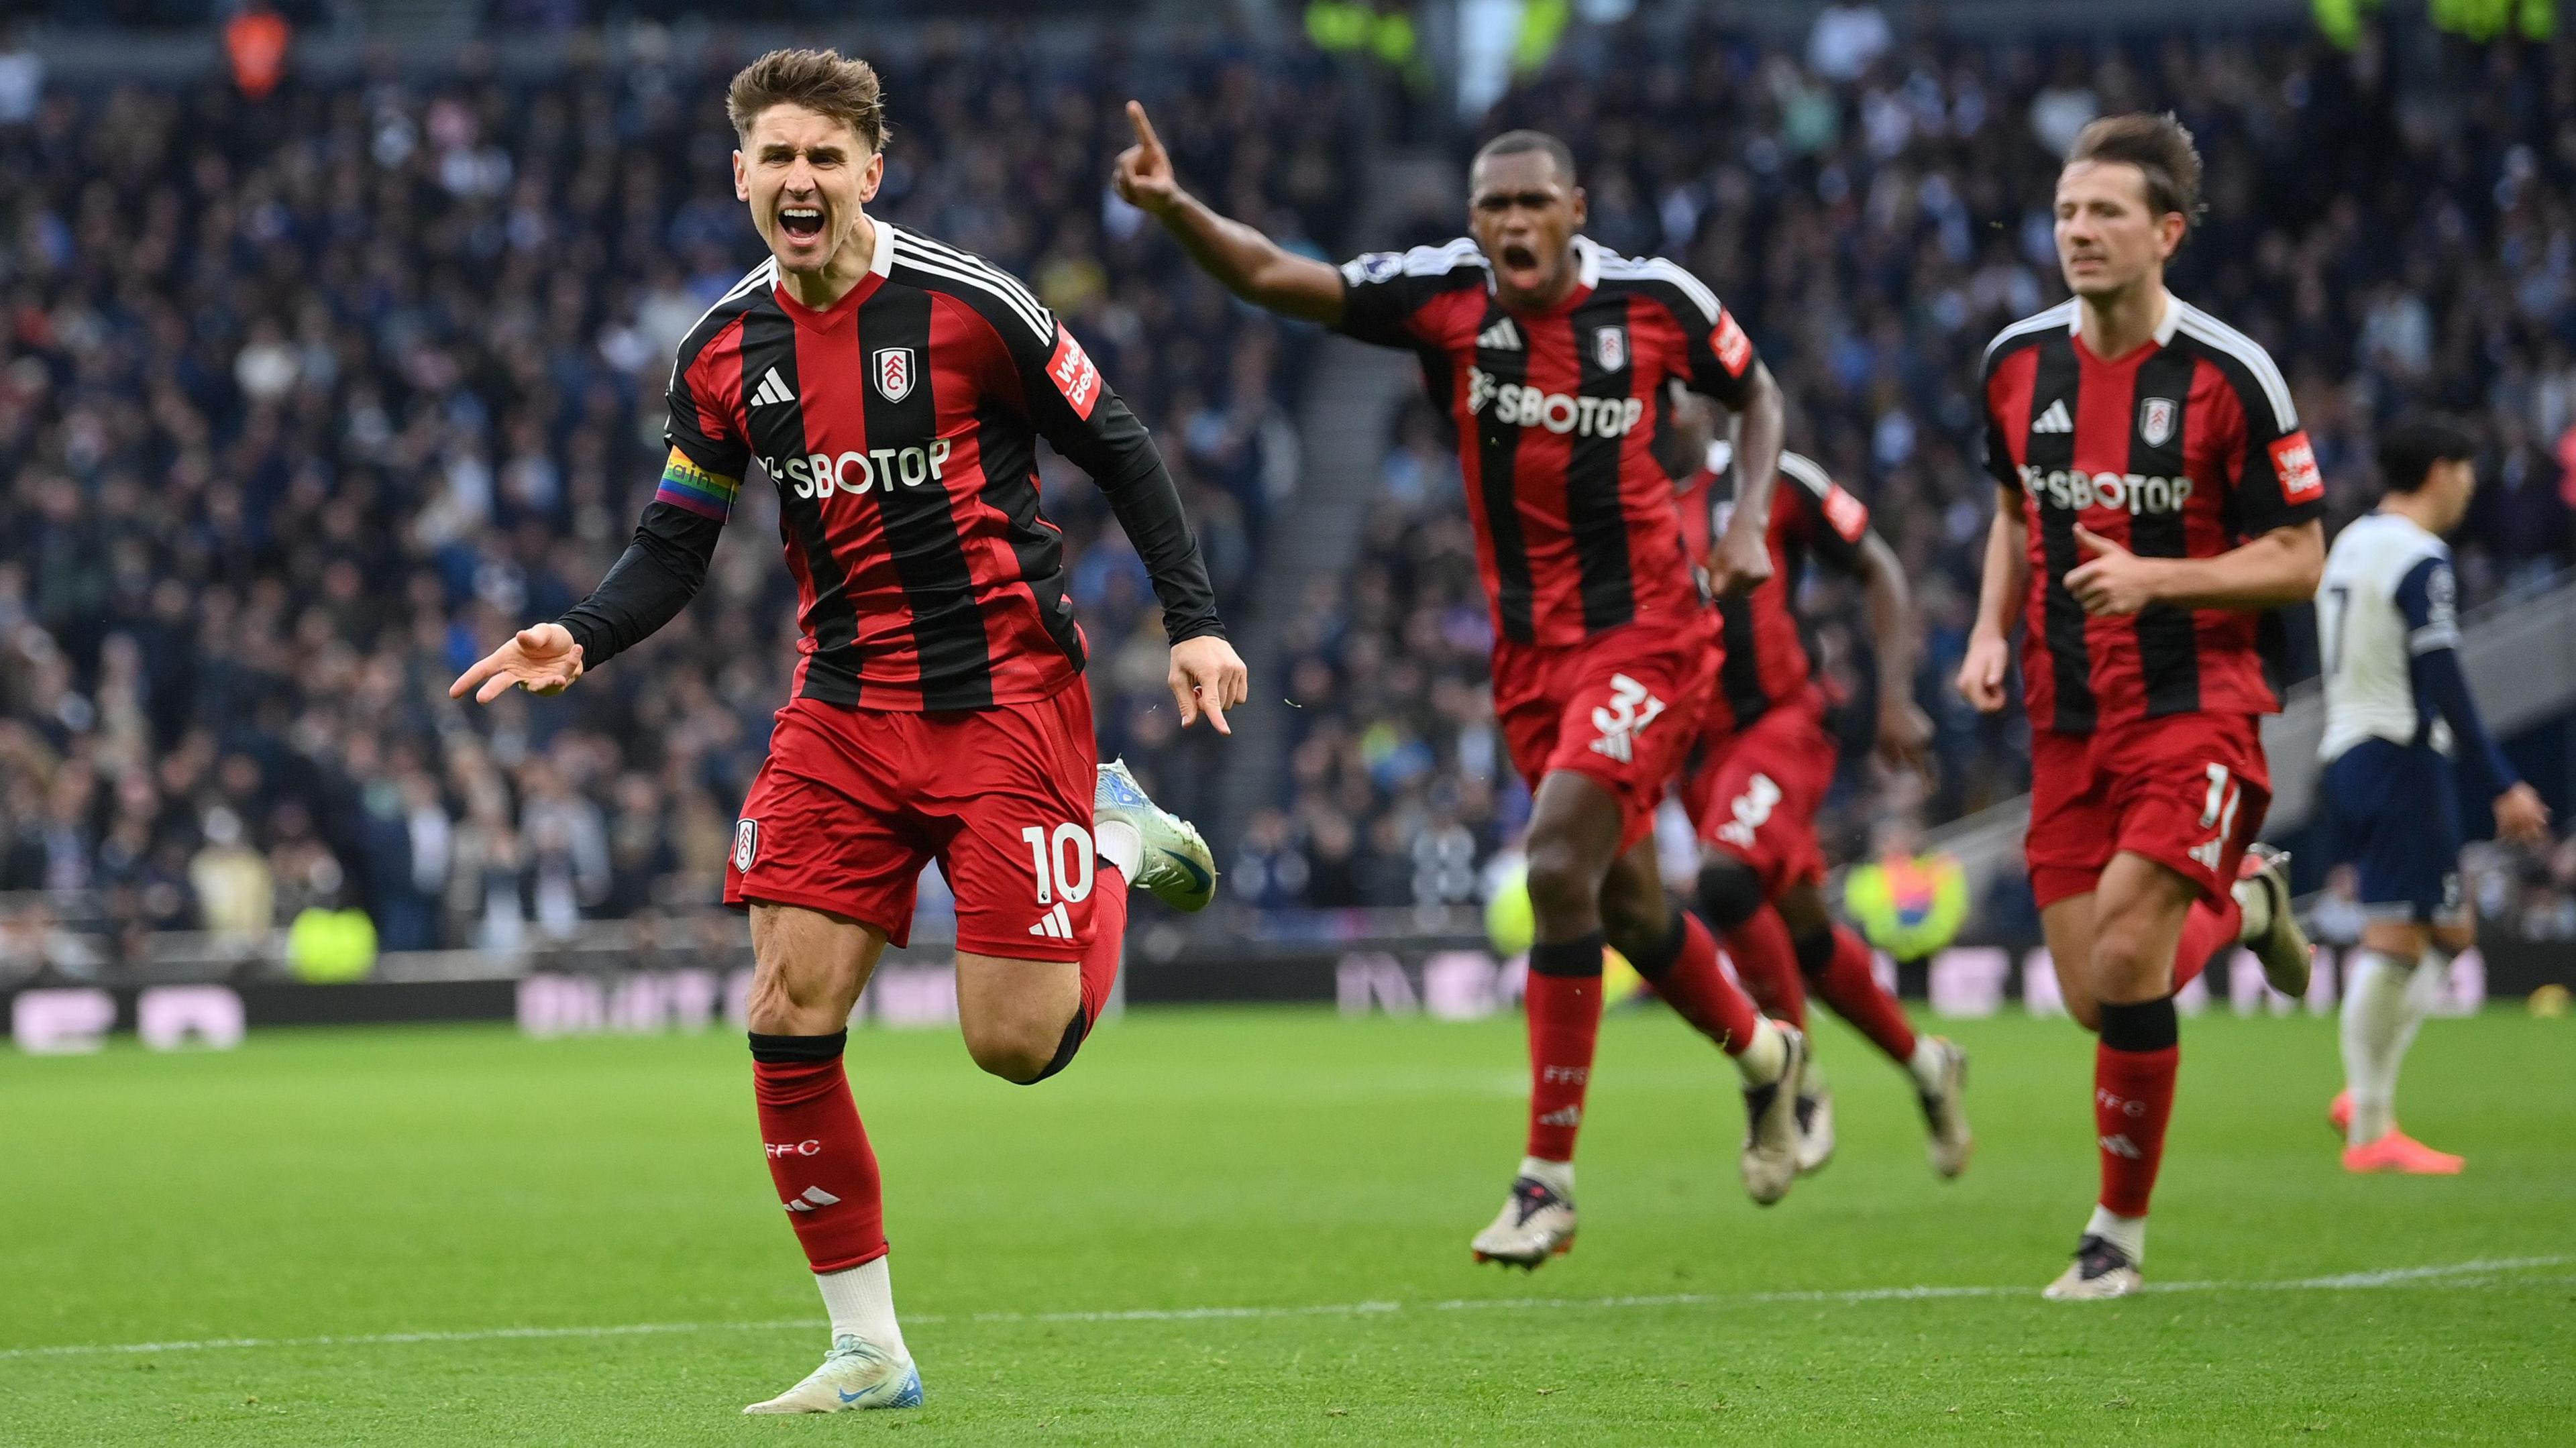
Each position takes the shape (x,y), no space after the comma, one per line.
(2398,712)
(1549,356)
(2159,503)
(893,390)
(1765,761)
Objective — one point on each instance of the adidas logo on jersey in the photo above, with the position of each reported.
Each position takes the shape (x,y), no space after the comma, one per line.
(1054,925)
(1502,336)
(809,1199)
(2055,419)
(772,388)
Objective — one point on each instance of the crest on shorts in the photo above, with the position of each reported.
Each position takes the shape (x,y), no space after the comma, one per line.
(746,845)
(1610,348)
(893,369)
(2156,420)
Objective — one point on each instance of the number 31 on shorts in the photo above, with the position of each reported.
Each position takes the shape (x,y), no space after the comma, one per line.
(1062,862)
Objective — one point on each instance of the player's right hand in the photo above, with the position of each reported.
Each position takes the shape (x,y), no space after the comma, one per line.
(541,659)
(1981,673)
(2522,816)
(1144,177)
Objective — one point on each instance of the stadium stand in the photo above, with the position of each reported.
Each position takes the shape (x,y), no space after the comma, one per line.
(309,399)
(1875,221)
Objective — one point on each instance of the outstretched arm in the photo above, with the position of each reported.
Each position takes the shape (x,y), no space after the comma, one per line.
(1247,263)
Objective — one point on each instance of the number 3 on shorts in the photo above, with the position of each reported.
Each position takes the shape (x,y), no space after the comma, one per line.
(1060,873)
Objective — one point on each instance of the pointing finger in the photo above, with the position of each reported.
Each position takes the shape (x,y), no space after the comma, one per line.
(1145,136)
(1216,715)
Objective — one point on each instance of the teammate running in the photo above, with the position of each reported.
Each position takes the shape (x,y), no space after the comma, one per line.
(2160,501)
(1765,761)
(2397,711)
(1550,356)
(894,389)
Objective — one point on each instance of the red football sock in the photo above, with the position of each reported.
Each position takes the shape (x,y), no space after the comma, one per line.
(2133,1088)
(1564,1004)
(2207,930)
(1768,965)
(1699,992)
(818,1153)
(1851,987)
(1108,940)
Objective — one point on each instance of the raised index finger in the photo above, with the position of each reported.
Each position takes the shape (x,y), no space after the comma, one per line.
(1144,128)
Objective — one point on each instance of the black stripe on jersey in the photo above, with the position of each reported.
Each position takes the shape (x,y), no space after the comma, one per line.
(778,431)
(1592,512)
(2168,641)
(2070,662)
(1010,463)
(920,529)
(1497,448)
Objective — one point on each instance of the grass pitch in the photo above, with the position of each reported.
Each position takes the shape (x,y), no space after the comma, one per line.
(1251,1226)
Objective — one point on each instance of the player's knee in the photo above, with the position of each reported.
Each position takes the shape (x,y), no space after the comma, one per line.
(1012,1051)
(1562,884)
(1729,891)
(2123,965)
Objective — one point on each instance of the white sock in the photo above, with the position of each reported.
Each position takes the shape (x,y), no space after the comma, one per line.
(1925,1064)
(1765,1056)
(2376,1029)
(2129,1234)
(2253,911)
(2431,987)
(1119,844)
(861,1302)
(1556,1176)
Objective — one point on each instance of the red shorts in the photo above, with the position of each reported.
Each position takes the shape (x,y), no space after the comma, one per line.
(1620,708)
(851,803)
(1755,794)
(2187,791)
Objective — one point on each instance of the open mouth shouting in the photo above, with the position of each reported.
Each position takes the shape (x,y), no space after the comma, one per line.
(800,222)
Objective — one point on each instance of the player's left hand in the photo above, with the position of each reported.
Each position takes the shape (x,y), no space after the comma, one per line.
(1740,563)
(1904,733)
(2114,580)
(1207,677)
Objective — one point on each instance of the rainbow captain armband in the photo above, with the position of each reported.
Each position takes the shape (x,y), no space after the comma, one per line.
(686,485)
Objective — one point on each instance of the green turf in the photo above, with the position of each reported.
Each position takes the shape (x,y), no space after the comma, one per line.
(459,1180)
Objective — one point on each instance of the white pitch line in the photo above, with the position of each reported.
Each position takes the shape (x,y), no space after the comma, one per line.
(2463,1274)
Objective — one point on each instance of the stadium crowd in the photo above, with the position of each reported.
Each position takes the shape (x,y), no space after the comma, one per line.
(308,399)
(1875,208)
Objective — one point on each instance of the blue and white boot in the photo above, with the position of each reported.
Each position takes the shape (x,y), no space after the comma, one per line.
(855,1374)
(1177,867)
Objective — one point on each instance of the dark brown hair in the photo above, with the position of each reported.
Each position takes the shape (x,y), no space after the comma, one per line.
(822,81)
(2161,150)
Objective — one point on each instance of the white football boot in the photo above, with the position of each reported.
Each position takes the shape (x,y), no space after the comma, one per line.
(2272,932)
(1951,1141)
(1536,1223)
(1770,1160)
(1178,868)
(855,1374)
(2099,1270)
(1815,1120)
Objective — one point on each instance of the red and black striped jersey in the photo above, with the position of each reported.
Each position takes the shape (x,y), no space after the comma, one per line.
(1554,413)
(900,427)
(1767,658)
(2184,448)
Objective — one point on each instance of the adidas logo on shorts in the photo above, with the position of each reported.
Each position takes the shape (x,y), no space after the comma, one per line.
(1054,925)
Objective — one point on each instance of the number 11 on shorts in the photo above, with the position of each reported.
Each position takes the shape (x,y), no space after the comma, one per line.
(1060,873)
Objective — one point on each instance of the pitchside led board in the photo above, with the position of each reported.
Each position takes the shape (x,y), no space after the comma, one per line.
(1964,982)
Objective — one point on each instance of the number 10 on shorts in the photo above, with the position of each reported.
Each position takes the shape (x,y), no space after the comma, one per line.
(1060,873)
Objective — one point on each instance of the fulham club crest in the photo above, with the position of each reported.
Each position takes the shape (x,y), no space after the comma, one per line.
(893,368)
(746,845)
(1610,348)
(2156,421)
